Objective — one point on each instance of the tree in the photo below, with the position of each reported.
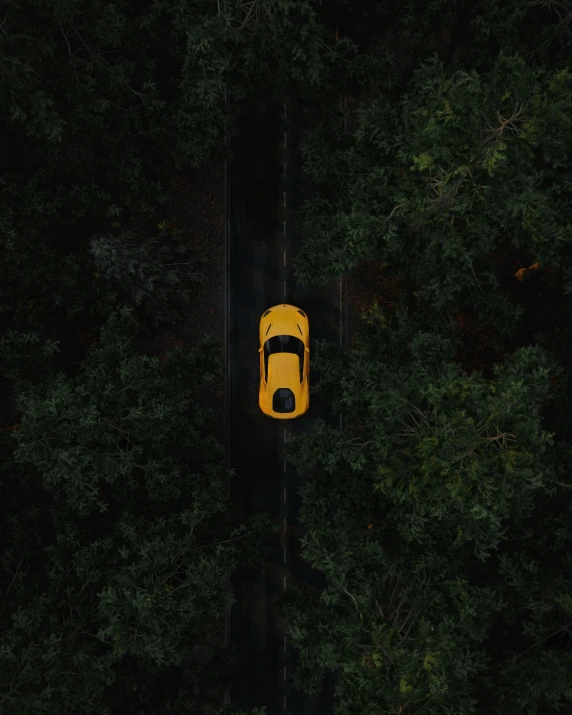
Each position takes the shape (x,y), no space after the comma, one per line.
(96,102)
(433,526)
(118,536)
(143,267)
(430,185)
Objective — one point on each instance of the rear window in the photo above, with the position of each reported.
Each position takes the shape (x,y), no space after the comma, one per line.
(283,400)
(284,344)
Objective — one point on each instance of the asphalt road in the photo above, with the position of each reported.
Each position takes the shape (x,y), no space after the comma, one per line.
(265,186)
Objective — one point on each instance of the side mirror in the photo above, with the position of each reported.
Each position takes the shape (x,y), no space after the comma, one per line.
(306,349)
(260,350)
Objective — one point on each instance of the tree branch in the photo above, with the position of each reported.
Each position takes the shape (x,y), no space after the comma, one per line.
(564,628)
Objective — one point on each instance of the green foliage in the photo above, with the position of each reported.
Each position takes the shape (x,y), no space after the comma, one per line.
(440,515)
(444,525)
(121,73)
(21,355)
(119,535)
(430,224)
(122,566)
(96,101)
(148,271)
(431,526)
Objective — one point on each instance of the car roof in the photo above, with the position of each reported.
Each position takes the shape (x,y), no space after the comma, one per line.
(284,371)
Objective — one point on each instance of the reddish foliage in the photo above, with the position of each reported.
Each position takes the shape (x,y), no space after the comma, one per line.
(371,283)
(87,337)
(479,351)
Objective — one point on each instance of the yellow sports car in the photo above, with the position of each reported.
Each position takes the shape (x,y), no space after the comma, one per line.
(284,362)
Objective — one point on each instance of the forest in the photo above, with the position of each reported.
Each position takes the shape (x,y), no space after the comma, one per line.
(441,514)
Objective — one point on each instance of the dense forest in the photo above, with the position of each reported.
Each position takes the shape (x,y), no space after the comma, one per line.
(441,513)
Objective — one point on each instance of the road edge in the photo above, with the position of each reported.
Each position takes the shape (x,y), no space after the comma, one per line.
(226,701)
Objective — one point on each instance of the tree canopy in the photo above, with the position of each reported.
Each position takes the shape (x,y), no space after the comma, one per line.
(441,527)
(118,535)
(440,512)
(429,185)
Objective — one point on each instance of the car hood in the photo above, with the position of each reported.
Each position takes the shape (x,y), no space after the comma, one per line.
(283,320)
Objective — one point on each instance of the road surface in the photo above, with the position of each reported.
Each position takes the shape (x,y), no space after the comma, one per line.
(265,186)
